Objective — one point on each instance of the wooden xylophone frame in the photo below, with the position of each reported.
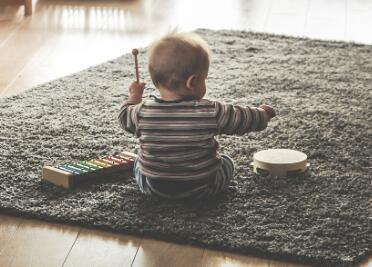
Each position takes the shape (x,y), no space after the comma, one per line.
(67,176)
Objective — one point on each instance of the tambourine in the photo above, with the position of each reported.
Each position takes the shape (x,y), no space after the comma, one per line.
(280,162)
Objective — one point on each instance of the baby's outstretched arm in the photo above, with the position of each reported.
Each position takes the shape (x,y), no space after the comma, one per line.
(240,120)
(128,111)
(270,111)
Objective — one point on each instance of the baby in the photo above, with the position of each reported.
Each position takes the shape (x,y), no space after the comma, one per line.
(178,156)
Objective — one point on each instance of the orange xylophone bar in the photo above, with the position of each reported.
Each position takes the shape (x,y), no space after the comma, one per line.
(70,174)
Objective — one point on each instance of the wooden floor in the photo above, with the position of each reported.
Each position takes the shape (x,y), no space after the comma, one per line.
(63,37)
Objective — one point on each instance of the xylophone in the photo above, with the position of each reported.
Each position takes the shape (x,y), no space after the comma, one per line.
(70,174)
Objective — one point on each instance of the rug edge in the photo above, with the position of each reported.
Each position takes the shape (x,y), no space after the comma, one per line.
(290,258)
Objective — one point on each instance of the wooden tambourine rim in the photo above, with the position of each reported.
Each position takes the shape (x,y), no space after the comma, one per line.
(280,169)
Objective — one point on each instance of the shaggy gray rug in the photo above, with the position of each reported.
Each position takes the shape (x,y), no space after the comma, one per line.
(322,92)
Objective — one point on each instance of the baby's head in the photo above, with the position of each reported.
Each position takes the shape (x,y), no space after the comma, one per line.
(179,63)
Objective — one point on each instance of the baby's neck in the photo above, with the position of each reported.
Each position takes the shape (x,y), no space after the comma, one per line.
(170,95)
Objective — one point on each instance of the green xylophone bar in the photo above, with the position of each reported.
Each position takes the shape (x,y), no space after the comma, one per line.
(71,174)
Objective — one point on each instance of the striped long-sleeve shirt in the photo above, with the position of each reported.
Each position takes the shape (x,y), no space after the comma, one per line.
(177,137)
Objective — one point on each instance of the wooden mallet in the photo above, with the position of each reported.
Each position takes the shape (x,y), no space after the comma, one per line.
(135,53)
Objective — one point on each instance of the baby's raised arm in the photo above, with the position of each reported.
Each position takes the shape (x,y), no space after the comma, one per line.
(128,111)
(240,120)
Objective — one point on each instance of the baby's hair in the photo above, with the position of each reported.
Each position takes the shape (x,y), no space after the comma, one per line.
(175,57)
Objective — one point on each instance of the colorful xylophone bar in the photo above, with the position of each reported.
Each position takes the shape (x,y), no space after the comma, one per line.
(70,174)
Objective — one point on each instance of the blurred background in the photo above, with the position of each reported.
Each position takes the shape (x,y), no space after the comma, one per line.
(59,37)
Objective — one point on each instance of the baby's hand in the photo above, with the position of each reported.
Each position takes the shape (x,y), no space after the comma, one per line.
(269,110)
(135,92)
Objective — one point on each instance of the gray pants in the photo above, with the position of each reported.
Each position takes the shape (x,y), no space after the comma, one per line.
(205,189)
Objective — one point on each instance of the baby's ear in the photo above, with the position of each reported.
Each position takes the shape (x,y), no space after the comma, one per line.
(190,82)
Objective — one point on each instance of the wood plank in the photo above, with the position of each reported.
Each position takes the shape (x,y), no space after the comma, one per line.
(359,5)
(290,7)
(327,29)
(12,2)
(358,25)
(8,28)
(68,53)
(27,4)
(214,258)
(330,9)
(110,249)
(38,244)
(103,248)
(69,45)
(159,253)
(28,7)
(8,226)
(326,20)
(17,52)
(286,24)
